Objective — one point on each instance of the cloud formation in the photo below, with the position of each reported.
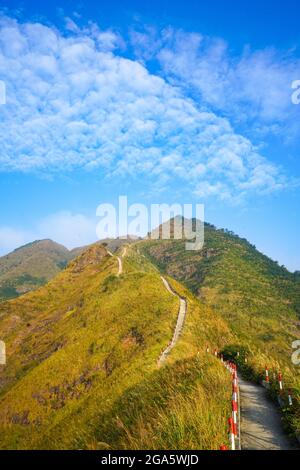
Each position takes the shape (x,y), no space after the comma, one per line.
(10,238)
(252,85)
(71,230)
(74,102)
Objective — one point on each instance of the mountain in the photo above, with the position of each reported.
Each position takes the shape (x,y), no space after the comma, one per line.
(31,266)
(229,266)
(82,362)
(82,366)
(258,299)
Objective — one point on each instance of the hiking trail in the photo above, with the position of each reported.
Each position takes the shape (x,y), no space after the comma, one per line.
(179,324)
(261,427)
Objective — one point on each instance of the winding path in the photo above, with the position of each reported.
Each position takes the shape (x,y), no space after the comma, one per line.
(261,427)
(119,258)
(181,312)
(179,324)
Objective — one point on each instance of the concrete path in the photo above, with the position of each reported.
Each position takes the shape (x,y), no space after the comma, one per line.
(179,324)
(119,258)
(167,286)
(120,266)
(261,427)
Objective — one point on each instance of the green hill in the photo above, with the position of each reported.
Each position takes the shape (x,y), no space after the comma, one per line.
(258,299)
(82,368)
(82,351)
(31,266)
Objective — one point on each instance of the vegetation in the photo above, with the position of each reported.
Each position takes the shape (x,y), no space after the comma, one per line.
(82,350)
(82,362)
(30,266)
(33,265)
(258,299)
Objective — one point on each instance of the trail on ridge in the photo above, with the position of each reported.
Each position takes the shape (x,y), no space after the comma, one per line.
(179,324)
(119,258)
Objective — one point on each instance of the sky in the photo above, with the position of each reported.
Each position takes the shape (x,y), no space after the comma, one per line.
(165,102)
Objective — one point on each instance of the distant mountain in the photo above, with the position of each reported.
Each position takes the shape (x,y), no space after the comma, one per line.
(31,266)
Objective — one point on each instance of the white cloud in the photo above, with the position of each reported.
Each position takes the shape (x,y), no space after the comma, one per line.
(11,238)
(72,102)
(70,230)
(253,85)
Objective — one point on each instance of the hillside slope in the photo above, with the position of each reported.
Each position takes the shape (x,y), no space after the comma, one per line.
(258,299)
(82,368)
(31,266)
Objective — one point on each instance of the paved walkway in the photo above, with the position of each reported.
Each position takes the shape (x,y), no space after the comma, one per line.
(261,427)
(179,324)
(119,258)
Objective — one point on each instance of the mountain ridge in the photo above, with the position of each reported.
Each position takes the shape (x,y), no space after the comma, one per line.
(82,350)
(32,265)
(258,299)
(82,355)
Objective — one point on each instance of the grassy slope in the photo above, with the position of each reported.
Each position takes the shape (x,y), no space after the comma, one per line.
(258,299)
(31,266)
(82,363)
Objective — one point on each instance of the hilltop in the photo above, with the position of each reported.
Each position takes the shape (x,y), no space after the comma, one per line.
(31,266)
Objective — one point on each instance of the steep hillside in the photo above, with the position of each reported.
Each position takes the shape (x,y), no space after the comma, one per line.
(82,368)
(31,266)
(258,299)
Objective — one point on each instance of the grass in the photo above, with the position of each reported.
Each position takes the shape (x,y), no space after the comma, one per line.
(257,299)
(31,266)
(183,406)
(82,363)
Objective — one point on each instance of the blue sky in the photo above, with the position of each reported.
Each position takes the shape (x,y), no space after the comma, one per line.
(162,101)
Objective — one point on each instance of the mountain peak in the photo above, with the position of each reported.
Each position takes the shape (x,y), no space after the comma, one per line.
(46,242)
